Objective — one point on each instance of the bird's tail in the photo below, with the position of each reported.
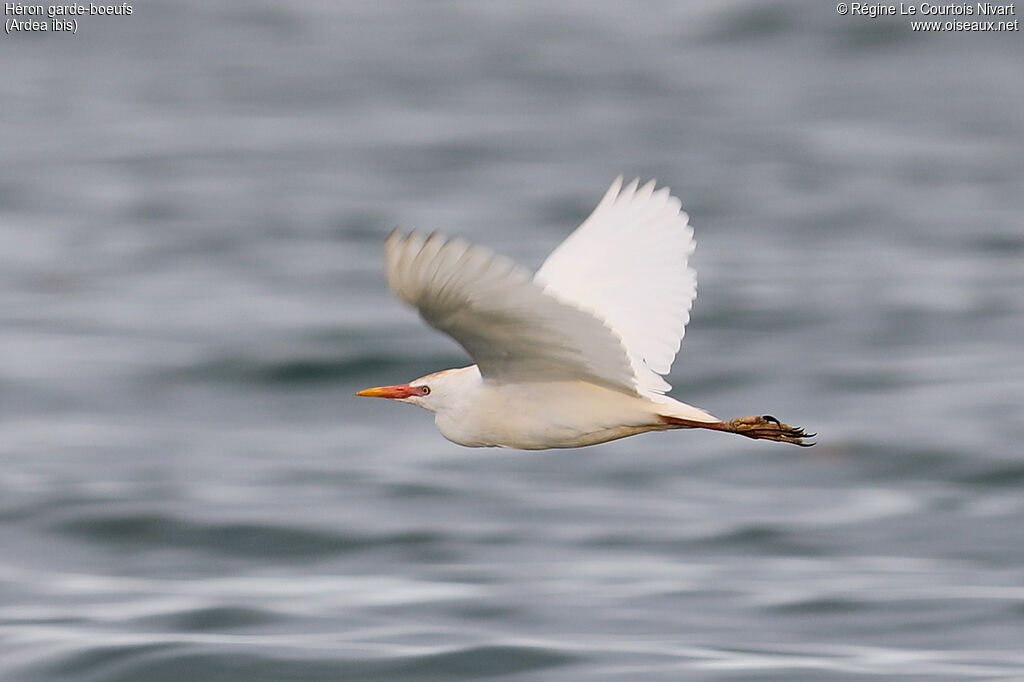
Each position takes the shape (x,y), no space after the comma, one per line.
(670,408)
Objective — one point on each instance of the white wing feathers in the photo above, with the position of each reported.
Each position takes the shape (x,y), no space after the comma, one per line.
(609,305)
(627,263)
(504,320)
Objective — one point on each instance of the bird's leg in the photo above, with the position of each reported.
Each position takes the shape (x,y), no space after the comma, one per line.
(768,428)
(765,427)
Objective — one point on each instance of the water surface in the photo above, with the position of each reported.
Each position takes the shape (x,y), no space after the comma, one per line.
(193,202)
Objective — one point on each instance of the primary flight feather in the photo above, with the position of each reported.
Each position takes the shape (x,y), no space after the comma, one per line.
(573,355)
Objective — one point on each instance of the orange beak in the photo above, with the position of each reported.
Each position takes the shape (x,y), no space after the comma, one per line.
(393,392)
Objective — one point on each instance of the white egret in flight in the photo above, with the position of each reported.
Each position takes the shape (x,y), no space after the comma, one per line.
(573,355)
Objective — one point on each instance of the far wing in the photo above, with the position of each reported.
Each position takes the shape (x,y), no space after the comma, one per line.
(501,316)
(627,263)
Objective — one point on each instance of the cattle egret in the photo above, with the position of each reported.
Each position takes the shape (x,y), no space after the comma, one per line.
(575,354)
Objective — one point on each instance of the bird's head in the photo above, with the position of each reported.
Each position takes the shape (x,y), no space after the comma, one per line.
(431,392)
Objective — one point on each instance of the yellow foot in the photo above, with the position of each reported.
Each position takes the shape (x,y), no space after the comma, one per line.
(769,428)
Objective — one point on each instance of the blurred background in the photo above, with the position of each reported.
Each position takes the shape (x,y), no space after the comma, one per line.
(193,202)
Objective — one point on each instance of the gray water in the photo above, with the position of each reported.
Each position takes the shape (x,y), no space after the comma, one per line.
(193,202)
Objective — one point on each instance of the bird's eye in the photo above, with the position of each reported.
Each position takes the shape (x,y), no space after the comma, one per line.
(424,390)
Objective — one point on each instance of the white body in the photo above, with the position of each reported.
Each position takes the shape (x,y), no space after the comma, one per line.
(572,356)
(540,415)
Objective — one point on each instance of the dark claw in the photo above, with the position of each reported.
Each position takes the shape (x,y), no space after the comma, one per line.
(769,418)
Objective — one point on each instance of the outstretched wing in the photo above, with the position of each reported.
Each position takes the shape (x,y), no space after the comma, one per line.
(501,316)
(627,263)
